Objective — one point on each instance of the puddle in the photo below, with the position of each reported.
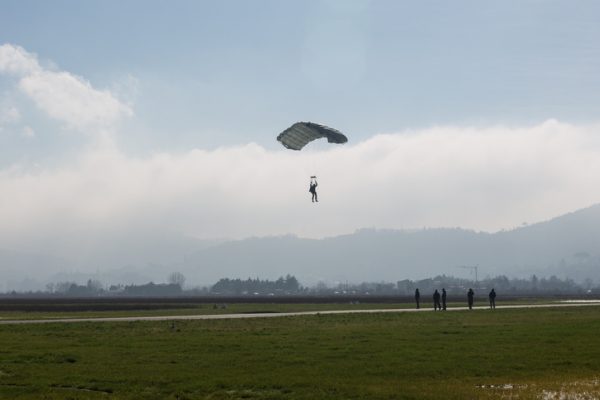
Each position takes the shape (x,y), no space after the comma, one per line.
(553,395)
(577,390)
(503,386)
(580,301)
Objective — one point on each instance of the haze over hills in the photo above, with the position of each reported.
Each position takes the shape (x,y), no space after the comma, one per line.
(566,246)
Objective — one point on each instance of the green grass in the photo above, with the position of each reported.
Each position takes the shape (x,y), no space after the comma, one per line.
(365,356)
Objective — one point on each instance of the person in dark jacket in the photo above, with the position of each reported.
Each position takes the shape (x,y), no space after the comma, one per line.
(492,297)
(417,298)
(313,188)
(444,299)
(436,301)
(470,296)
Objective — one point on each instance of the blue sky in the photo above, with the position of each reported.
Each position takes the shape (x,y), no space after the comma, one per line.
(210,73)
(123,120)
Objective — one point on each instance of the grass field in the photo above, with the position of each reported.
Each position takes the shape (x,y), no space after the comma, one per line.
(537,353)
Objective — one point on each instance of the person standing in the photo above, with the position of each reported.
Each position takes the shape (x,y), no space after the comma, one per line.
(444,299)
(436,301)
(417,298)
(470,296)
(493,299)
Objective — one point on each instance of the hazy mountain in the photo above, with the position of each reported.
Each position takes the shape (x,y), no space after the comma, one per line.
(24,271)
(566,246)
(124,263)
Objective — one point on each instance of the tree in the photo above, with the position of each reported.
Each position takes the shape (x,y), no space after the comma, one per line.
(177,278)
(62,287)
(94,286)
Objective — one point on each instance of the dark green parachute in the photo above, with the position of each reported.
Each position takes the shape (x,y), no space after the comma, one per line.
(301,133)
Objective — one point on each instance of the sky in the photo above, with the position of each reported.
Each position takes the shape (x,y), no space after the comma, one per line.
(125,124)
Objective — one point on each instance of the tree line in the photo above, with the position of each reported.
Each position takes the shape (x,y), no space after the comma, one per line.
(284,285)
(289,285)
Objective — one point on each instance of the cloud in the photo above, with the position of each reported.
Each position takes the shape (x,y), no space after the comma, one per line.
(487,178)
(15,60)
(63,96)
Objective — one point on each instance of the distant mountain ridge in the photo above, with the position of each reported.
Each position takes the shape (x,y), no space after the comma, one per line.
(550,247)
(566,246)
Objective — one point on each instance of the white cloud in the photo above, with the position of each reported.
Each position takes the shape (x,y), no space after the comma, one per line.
(483,178)
(15,60)
(61,95)
(71,99)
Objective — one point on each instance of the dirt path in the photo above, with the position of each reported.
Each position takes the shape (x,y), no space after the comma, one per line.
(278,315)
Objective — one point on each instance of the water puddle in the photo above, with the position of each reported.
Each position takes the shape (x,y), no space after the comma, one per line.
(577,390)
(580,301)
(502,386)
(553,395)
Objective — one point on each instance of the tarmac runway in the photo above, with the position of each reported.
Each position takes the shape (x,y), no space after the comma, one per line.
(282,314)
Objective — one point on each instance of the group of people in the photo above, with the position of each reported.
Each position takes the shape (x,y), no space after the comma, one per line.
(439,300)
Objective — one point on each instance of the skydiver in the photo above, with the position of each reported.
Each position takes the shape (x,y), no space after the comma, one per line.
(313,188)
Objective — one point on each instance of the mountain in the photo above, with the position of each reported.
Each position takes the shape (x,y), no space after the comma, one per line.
(567,246)
(22,270)
(135,260)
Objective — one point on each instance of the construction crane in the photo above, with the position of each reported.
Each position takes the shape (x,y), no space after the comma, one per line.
(473,268)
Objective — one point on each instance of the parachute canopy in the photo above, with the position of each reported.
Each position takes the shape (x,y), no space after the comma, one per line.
(301,133)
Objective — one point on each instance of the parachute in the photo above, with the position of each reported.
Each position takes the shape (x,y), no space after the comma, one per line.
(301,133)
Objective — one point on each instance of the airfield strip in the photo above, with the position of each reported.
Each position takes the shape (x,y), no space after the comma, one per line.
(277,315)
